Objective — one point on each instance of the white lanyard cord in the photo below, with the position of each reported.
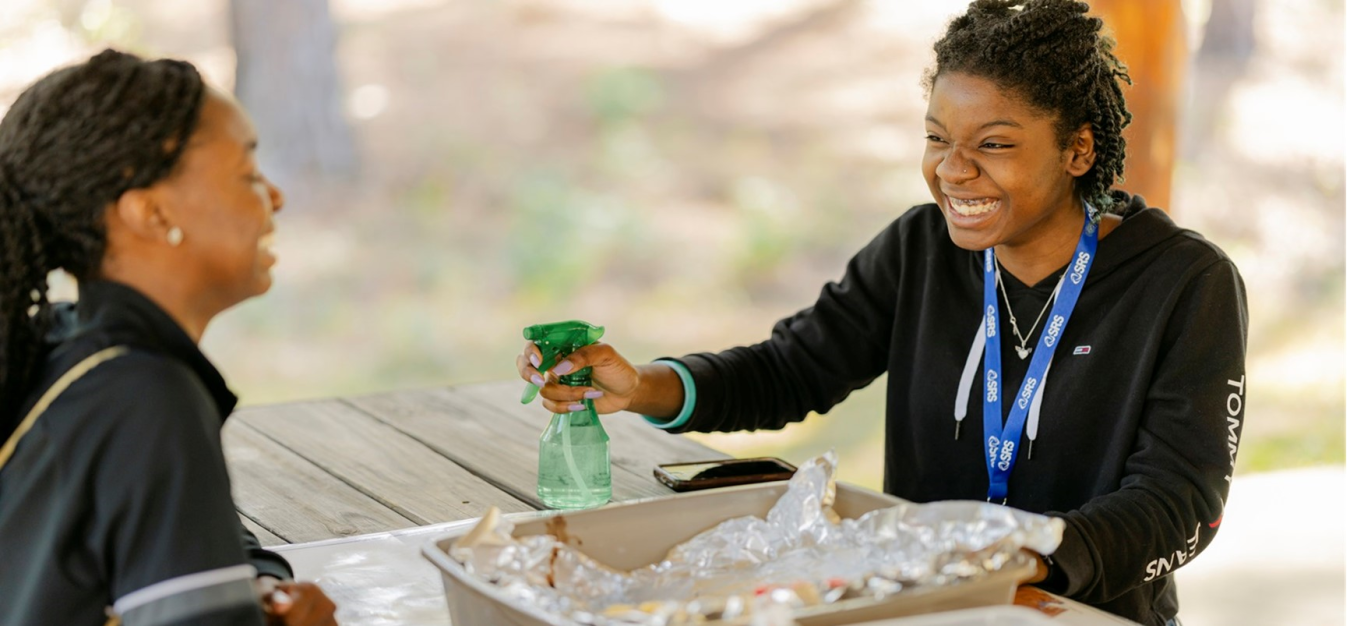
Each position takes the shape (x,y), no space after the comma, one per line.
(1034,414)
(970,373)
(968,376)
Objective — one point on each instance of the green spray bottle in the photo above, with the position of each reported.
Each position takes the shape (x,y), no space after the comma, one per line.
(574,468)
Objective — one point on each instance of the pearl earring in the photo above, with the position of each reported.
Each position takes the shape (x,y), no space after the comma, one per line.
(175,236)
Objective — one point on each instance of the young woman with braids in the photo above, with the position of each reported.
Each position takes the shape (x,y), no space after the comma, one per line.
(139,180)
(1100,347)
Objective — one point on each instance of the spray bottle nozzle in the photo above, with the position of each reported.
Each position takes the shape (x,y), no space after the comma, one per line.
(555,341)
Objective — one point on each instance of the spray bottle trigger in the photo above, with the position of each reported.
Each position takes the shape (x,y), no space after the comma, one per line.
(531,391)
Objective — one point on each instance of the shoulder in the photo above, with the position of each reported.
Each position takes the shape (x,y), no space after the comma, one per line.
(913,235)
(1188,254)
(1181,271)
(146,378)
(136,394)
(1163,241)
(922,225)
(924,220)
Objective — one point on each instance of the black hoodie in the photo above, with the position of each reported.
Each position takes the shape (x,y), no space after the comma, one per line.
(118,495)
(1142,408)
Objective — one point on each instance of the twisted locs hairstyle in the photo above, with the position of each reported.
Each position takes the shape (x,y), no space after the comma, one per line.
(70,146)
(1055,56)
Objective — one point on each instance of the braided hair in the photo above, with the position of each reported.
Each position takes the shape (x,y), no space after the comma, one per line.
(1055,56)
(71,145)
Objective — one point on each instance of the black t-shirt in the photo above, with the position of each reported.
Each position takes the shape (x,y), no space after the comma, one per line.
(118,495)
(1142,408)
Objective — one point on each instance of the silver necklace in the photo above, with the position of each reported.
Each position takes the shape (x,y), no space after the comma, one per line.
(1022,350)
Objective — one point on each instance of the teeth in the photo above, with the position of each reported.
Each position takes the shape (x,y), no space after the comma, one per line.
(973,207)
(266,241)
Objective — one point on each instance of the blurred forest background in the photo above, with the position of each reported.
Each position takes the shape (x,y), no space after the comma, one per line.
(684,172)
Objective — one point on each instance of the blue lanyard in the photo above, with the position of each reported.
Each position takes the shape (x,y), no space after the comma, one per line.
(1001,440)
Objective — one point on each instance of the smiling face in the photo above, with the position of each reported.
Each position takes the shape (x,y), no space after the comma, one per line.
(224,206)
(996,167)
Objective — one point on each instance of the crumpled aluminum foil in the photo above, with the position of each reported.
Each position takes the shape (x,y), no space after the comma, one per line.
(747,570)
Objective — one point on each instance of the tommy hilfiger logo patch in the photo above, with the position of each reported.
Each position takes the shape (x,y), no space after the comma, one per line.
(1082,350)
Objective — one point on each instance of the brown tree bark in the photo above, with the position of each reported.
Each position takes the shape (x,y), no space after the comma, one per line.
(1151,40)
(287,79)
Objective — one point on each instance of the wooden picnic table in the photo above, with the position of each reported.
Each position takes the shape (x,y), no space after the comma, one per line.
(318,471)
(323,469)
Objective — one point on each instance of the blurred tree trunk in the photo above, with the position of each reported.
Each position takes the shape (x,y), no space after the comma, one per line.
(1224,55)
(1230,33)
(287,79)
(1151,40)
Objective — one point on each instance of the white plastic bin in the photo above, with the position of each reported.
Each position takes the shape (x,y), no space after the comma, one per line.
(636,534)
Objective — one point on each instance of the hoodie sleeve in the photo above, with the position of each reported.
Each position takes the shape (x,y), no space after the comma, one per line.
(1170,502)
(267,562)
(172,551)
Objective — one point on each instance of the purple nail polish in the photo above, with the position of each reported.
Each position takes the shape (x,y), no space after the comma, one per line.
(534,360)
(591,395)
(563,368)
(538,382)
(576,407)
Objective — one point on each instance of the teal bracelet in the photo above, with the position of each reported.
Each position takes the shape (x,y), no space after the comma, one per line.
(690,396)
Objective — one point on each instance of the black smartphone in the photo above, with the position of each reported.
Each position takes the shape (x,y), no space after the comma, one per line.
(723,473)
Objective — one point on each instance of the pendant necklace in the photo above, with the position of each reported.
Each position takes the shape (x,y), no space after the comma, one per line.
(1022,350)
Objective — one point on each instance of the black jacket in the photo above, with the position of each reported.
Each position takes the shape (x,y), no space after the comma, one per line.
(1142,408)
(121,486)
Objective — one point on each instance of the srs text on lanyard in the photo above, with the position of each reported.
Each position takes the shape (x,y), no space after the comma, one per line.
(1001,440)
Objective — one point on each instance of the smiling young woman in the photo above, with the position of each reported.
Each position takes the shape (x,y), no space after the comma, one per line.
(1102,345)
(139,180)
(997,168)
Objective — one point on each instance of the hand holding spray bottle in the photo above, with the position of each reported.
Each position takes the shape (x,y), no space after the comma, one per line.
(574,470)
